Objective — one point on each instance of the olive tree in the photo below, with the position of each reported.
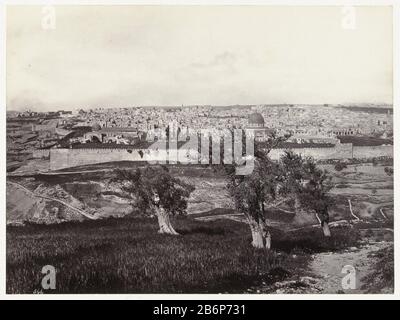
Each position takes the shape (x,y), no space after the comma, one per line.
(314,193)
(308,185)
(389,171)
(153,189)
(275,183)
(258,192)
(293,177)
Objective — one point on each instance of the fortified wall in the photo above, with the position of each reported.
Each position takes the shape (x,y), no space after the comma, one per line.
(373,151)
(41,154)
(339,151)
(65,158)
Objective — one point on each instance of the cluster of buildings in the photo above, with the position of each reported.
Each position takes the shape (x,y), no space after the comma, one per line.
(307,125)
(30,131)
(319,124)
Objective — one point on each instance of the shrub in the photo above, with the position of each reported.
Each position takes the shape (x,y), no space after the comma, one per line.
(389,171)
(382,275)
(340,166)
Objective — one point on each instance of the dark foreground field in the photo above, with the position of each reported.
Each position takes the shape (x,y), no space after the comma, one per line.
(128,256)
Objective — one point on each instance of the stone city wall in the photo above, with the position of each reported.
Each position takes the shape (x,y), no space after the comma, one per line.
(41,153)
(365,152)
(339,151)
(65,158)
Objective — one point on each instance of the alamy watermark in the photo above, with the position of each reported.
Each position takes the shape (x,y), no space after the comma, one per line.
(349,280)
(204,147)
(48,21)
(349,18)
(49,279)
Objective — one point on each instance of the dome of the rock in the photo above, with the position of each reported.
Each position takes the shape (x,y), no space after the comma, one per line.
(96,127)
(256,120)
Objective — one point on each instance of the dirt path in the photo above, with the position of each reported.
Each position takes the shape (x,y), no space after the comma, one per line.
(328,268)
(324,274)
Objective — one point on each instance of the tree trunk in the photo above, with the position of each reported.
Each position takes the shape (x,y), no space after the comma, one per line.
(324,218)
(297,205)
(268,241)
(325,229)
(258,239)
(164,222)
(265,233)
(261,238)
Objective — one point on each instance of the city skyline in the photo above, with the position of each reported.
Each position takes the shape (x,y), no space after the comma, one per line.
(211,55)
(88,108)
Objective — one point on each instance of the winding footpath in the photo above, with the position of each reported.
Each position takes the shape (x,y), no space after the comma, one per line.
(330,269)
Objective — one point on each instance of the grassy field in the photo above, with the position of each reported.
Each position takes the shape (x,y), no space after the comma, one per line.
(128,256)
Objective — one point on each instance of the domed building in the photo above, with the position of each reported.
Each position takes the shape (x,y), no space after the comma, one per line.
(96,127)
(256,125)
(256,120)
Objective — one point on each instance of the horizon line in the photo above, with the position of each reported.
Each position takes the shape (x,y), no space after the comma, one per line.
(361,104)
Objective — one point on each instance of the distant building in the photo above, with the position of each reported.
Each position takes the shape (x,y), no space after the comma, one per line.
(256,125)
(117,135)
(63,113)
(345,132)
(119,131)
(313,139)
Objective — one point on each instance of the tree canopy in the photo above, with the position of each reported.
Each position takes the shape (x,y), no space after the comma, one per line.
(154,188)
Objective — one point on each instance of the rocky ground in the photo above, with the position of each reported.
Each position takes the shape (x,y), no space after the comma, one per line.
(98,198)
(29,201)
(326,272)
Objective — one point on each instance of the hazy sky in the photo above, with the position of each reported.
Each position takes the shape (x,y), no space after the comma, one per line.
(131,55)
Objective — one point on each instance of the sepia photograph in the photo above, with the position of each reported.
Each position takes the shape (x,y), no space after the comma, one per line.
(199,149)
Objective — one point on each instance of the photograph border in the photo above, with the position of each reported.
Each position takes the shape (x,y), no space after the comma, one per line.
(396,119)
